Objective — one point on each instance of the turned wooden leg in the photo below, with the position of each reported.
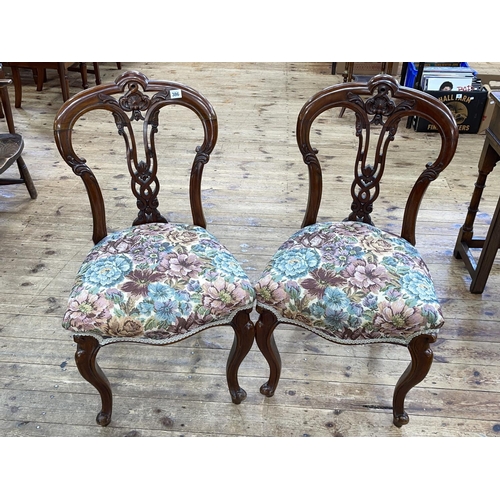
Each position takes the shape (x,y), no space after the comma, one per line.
(18,87)
(244,334)
(421,361)
(264,329)
(83,72)
(85,358)
(97,73)
(26,176)
(40,76)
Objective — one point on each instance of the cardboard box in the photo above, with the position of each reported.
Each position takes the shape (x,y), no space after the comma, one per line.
(467,108)
(491,80)
(489,107)
(365,68)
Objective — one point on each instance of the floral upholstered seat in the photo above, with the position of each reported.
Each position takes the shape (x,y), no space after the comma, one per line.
(158,282)
(351,282)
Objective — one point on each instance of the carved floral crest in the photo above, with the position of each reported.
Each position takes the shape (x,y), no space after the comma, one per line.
(134,101)
(380,104)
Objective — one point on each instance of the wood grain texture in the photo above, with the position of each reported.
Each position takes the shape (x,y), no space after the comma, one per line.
(254,198)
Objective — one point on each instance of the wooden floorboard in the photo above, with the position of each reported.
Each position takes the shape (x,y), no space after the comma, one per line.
(254,195)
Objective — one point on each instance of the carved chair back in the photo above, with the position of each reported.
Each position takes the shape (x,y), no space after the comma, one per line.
(381,104)
(134,98)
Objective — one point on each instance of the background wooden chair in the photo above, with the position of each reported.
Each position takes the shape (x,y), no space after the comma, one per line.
(39,70)
(350,282)
(155,282)
(11,143)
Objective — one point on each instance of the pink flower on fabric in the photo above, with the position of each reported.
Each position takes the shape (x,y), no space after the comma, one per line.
(269,291)
(181,266)
(220,297)
(366,276)
(87,312)
(397,318)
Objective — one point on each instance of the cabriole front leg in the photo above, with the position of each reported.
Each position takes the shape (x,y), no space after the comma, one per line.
(421,361)
(264,329)
(85,358)
(244,334)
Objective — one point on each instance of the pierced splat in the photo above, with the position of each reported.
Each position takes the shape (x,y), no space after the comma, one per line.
(365,187)
(132,98)
(144,181)
(380,105)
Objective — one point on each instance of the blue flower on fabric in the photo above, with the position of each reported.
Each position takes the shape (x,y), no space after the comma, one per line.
(419,286)
(108,271)
(336,319)
(167,311)
(184,301)
(296,262)
(160,292)
(370,301)
(335,298)
(168,303)
(227,264)
(318,310)
(355,309)
(194,286)
(145,308)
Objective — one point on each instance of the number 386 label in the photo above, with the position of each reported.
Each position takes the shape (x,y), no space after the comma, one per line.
(176,94)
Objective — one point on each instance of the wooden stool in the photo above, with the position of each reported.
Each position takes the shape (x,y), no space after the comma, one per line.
(489,157)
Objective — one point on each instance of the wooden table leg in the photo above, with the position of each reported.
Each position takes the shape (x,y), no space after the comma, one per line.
(480,271)
(488,254)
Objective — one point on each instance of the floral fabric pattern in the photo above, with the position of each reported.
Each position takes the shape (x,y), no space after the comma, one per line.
(353,282)
(157,281)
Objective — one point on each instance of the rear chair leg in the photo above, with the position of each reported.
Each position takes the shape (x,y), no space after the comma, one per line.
(421,361)
(85,358)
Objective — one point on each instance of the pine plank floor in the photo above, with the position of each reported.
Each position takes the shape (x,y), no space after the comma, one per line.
(254,195)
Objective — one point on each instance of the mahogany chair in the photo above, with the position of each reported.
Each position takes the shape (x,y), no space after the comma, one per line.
(348,281)
(11,143)
(156,282)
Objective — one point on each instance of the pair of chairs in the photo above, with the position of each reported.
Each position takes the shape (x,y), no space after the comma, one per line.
(158,282)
